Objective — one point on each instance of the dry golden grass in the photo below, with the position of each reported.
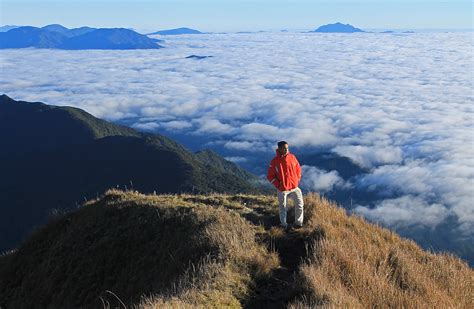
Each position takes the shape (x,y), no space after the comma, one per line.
(224,280)
(350,263)
(138,250)
(358,264)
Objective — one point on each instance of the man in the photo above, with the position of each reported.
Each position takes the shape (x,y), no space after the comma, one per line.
(285,174)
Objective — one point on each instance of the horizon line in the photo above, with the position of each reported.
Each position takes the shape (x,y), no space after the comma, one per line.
(243,29)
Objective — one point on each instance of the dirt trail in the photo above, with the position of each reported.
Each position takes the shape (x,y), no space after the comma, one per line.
(293,247)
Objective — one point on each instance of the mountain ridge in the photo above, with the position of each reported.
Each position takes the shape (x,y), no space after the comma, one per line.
(224,250)
(60,37)
(79,155)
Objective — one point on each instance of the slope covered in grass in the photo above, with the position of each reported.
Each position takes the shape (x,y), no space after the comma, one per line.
(357,264)
(127,245)
(162,251)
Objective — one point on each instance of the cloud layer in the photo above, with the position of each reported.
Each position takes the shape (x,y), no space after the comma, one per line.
(399,105)
(319,180)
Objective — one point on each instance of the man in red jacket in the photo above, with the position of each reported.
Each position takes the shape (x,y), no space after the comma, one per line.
(285,174)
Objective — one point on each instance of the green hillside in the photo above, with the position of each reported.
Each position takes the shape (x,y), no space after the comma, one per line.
(56,157)
(209,157)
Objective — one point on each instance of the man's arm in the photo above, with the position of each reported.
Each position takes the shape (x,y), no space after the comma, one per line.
(272,175)
(298,169)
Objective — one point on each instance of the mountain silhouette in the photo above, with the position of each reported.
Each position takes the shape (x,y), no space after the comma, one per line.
(79,31)
(68,32)
(27,36)
(338,28)
(53,157)
(197,57)
(56,28)
(7,27)
(57,36)
(176,31)
(116,38)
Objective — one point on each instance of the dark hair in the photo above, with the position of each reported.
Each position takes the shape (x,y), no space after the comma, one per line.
(281,144)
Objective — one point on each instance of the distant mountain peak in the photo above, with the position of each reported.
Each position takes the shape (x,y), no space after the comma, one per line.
(5,99)
(7,28)
(176,31)
(185,29)
(338,28)
(55,27)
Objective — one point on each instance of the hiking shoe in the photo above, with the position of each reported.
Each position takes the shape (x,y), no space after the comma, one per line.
(297,227)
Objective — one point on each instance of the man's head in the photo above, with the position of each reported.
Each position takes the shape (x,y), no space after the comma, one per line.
(283,147)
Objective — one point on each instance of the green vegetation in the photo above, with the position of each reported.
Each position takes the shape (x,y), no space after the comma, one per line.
(56,157)
(209,157)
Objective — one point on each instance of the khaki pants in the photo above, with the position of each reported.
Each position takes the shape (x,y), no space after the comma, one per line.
(297,197)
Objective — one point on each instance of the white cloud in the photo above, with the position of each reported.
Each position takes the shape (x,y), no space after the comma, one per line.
(315,179)
(260,131)
(245,146)
(432,182)
(212,127)
(236,159)
(146,126)
(400,105)
(370,156)
(176,125)
(405,211)
(412,178)
(152,111)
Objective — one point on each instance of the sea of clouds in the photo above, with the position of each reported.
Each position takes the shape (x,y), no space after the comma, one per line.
(399,105)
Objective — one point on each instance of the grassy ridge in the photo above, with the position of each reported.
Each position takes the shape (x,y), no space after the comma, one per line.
(217,250)
(134,246)
(358,265)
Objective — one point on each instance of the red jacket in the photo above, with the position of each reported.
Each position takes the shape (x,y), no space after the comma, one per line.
(284,172)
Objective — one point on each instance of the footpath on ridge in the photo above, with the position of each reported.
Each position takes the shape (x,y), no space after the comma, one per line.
(293,247)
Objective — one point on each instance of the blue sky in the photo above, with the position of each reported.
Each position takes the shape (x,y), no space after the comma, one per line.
(233,15)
